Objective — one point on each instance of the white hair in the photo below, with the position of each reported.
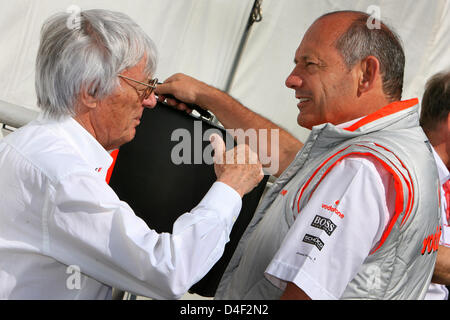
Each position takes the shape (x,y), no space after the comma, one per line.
(87,58)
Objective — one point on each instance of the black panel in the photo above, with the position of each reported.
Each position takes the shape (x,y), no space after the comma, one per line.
(159,191)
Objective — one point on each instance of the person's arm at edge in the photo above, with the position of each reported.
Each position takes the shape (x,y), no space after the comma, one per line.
(441,272)
(292,292)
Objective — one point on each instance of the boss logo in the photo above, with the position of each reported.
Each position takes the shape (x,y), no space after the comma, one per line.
(313,240)
(324,223)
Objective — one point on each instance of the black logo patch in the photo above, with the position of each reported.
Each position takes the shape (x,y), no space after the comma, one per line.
(324,223)
(313,240)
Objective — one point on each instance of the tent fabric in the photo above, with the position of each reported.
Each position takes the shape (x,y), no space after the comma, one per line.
(201,38)
(195,37)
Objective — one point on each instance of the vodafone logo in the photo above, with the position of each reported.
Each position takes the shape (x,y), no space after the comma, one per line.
(334,210)
(431,243)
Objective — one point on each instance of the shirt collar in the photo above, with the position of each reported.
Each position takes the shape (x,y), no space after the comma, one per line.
(443,172)
(83,142)
(384,112)
(348,123)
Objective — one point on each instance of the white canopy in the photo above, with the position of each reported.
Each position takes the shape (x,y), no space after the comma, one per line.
(202,38)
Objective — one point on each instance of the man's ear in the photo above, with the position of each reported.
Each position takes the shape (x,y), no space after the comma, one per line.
(87,100)
(369,74)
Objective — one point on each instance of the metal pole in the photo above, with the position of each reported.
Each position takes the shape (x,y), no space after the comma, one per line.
(255,16)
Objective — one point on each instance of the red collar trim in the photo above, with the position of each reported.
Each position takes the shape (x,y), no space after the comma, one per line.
(383,112)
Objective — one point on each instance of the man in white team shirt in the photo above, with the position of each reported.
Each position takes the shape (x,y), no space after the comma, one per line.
(64,233)
(344,237)
(435,121)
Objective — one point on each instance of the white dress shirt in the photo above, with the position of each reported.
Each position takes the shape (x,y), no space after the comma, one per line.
(439,291)
(64,233)
(366,198)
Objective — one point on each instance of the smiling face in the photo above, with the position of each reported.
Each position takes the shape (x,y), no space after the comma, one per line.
(114,120)
(326,89)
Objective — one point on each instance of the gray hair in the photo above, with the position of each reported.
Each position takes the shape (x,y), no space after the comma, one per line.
(359,41)
(435,101)
(88,57)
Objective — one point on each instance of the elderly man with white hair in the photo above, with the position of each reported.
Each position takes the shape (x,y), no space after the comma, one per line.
(64,233)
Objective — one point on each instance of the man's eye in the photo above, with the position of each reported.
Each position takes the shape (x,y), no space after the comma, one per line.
(309,63)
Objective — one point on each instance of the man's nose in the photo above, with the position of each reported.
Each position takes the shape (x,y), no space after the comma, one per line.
(150,102)
(293,81)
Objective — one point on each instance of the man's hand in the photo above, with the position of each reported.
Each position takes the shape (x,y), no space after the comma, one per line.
(239,167)
(184,88)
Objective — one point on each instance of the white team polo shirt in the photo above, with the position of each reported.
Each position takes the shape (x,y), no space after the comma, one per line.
(439,291)
(367,200)
(64,233)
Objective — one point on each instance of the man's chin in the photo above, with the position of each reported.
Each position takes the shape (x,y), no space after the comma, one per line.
(131,135)
(303,122)
(123,140)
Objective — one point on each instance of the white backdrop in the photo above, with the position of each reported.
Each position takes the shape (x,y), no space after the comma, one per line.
(198,37)
(201,37)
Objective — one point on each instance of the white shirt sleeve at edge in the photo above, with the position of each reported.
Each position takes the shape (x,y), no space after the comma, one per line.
(324,268)
(90,227)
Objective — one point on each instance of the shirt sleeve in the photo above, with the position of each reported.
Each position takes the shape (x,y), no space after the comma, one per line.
(88,226)
(335,232)
(445,235)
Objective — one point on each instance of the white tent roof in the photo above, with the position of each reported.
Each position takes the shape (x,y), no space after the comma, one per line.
(201,38)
